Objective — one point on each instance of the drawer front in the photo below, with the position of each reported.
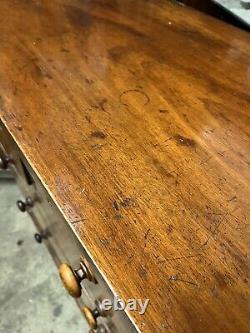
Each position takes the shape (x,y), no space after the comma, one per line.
(60,239)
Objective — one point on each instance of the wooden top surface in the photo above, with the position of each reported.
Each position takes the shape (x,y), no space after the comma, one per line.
(135,116)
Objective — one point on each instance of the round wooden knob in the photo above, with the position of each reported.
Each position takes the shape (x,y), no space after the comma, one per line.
(70,280)
(91,316)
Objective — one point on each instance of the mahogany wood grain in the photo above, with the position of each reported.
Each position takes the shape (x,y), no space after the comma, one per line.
(135,116)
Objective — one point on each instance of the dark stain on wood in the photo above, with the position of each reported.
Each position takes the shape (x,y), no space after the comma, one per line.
(127,202)
(118,52)
(115,205)
(78,17)
(98,135)
(183,141)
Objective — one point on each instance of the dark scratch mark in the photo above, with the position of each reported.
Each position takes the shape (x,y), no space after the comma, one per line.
(189,282)
(173,171)
(88,119)
(146,237)
(157,258)
(183,257)
(124,93)
(223,152)
(216,214)
(40,70)
(102,104)
(232,199)
(115,205)
(210,130)
(143,272)
(205,161)
(163,111)
(147,233)
(127,202)
(65,50)
(89,82)
(176,278)
(213,232)
(97,146)
(77,221)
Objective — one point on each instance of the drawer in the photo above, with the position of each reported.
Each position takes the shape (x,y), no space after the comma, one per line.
(16,166)
(60,239)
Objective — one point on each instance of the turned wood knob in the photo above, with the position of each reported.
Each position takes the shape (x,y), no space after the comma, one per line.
(23,205)
(72,278)
(91,316)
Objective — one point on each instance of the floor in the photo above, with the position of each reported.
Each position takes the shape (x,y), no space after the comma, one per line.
(32,298)
(235,7)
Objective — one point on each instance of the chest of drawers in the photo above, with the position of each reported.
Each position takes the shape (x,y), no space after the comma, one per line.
(126,124)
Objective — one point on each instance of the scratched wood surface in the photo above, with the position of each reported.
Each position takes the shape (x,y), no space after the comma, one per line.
(135,116)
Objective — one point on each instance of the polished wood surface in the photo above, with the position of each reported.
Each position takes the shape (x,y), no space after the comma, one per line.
(135,116)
